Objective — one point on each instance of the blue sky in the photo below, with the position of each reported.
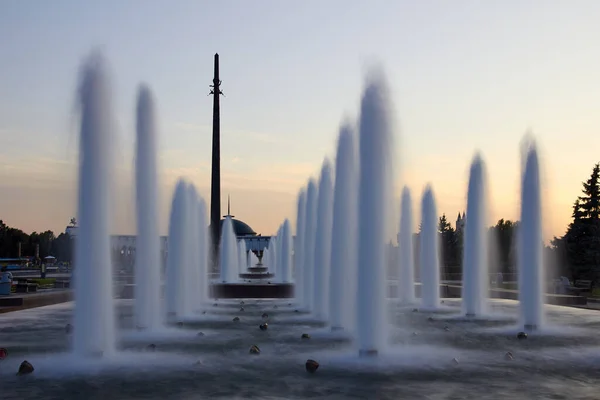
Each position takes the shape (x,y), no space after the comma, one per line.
(465,75)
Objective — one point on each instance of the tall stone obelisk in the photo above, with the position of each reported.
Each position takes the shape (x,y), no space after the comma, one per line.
(215,184)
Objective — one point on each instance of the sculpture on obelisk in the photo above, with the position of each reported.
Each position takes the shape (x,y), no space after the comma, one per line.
(215,184)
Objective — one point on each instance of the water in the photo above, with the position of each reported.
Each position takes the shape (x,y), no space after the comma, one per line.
(252,259)
(475,286)
(191,267)
(299,245)
(323,243)
(176,256)
(279,258)
(203,240)
(429,256)
(94,324)
(228,253)
(241,252)
(374,194)
(530,245)
(406,258)
(147,270)
(309,243)
(286,252)
(265,259)
(272,255)
(342,280)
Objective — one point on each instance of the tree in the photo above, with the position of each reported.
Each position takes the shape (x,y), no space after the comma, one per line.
(579,248)
(504,235)
(450,258)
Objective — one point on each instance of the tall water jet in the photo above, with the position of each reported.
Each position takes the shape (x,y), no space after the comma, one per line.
(530,245)
(253,259)
(228,253)
(323,243)
(310,228)
(342,277)
(272,255)
(429,257)
(298,244)
(475,286)
(147,260)
(203,241)
(191,271)
(279,272)
(406,257)
(374,200)
(241,251)
(176,256)
(286,253)
(264,260)
(94,319)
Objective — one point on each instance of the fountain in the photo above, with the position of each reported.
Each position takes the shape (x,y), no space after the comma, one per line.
(310,228)
(147,270)
(286,253)
(299,245)
(94,319)
(475,287)
(406,258)
(228,253)
(278,257)
(191,268)
(344,225)
(323,243)
(176,257)
(429,257)
(374,192)
(272,255)
(203,250)
(437,355)
(530,245)
(241,252)
(265,259)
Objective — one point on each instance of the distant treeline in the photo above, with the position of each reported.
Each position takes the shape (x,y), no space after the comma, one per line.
(49,244)
(576,254)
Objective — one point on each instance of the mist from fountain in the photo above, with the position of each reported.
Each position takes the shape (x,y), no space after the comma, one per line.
(309,244)
(374,199)
(429,257)
(228,253)
(286,252)
(342,281)
(475,284)
(94,318)
(147,290)
(176,256)
(323,243)
(406,257)
(298,245)
(530,244)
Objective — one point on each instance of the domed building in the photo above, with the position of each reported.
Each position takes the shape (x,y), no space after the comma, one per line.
(240,228)
(254,242)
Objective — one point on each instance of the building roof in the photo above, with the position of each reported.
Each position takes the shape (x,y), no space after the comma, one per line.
(240,228)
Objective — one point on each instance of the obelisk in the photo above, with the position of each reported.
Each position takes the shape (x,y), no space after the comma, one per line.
(215,184)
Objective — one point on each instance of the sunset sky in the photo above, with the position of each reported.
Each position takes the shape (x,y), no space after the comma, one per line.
(465,75)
